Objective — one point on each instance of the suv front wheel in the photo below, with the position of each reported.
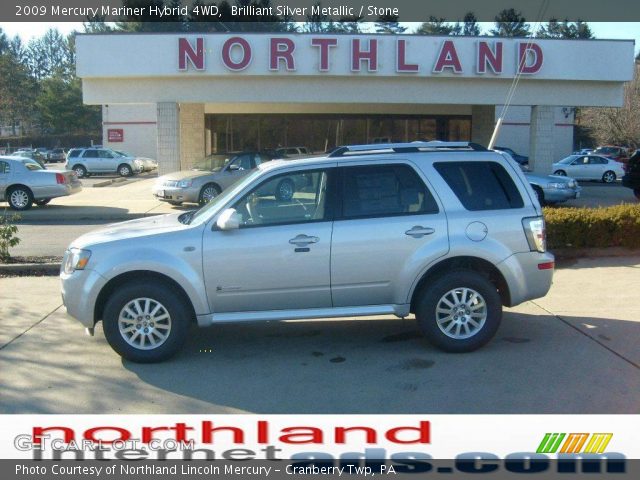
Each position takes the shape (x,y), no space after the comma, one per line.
(459,312)
(145,323)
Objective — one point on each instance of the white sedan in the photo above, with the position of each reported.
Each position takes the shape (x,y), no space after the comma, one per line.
(589,167)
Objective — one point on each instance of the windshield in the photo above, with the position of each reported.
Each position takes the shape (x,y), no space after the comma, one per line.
(569,159)
(212,163)
(122,154)
(31,165)
(235,187)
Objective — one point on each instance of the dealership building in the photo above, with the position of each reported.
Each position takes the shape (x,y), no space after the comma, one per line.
(181,97)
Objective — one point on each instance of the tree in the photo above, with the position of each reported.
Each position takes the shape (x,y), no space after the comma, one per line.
(49,55)
(566,29)
(510,23)
(620,126)
(17,92)
(4,42)
(319,22)
(438,26)
(389,24)
(470,26)
(60,108)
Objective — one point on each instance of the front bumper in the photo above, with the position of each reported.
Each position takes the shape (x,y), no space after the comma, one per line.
(80,291)
(557,195)
(175,194)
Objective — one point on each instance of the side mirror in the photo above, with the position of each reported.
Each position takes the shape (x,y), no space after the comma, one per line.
(229,220)
(234,166)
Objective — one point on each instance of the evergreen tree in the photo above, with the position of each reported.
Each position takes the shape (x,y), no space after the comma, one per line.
(389,24)
(510,23)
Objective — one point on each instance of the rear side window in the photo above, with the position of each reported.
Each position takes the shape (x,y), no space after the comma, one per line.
(4,167)
(384,190)
(90,154)
(481,185)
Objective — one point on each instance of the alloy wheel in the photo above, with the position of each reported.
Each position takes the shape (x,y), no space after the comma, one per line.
(144,323)
(461,313)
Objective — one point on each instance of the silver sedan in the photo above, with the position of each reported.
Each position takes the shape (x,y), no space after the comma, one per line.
(589,167)
(24,182)
(553,188)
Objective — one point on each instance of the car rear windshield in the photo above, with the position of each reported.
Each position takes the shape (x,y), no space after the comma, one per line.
(481,185)
(74,153)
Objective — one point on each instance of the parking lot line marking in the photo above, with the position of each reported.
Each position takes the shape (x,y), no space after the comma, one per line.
(566,322)
(32,326)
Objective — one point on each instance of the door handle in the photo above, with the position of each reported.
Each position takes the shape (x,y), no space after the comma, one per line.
(303,240)
(419,232)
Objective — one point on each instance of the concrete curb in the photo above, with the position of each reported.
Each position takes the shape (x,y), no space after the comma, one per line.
(31,268)
(106,183)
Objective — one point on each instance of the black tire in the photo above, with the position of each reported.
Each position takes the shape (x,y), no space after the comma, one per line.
(608,177)
(175,204)
(539,194)
(285,190)
(636,192)
(20,198)
(81,171)
(208,193)
(432,295)
(561,173)
(42,202)
(125,170)
(180,317)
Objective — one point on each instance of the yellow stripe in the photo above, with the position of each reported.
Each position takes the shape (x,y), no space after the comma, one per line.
(600,442)
(590,444)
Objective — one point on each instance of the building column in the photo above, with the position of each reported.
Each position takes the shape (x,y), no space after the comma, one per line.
(168,138)
(483,121)
(192,134)
(541,138)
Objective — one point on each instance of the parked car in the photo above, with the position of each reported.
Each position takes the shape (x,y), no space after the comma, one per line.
(31,154)
(521,159)
(207,180)
(589,167)
(89,161)
(451,236)
(584,151)
(631,178)
(57,155)
(552,189)
(619,154)
(291,151)
(24,181)
(148,164)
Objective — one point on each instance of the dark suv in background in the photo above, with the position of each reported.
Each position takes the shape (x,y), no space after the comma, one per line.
(632,177)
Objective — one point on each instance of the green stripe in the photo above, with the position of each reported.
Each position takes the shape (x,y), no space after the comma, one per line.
(550,443)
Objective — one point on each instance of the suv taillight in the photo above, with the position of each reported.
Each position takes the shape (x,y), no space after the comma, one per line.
(534,230)
(60,179)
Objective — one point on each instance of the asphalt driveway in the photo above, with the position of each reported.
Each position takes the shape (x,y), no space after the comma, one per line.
(575,351)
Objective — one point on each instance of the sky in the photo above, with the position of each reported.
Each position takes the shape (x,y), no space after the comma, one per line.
(609,30)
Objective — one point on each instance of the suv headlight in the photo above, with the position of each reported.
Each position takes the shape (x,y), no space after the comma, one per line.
(185,183)
(75,259)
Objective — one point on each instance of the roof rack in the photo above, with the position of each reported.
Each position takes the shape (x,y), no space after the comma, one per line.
(406,148)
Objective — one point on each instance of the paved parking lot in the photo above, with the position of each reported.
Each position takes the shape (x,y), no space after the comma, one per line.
(574,351)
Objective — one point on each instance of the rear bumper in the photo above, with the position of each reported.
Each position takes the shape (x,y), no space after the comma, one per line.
(58,190)
(527,275)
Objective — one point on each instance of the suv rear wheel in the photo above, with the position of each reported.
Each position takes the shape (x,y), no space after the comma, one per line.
(459,312)
(145,323)
(81,172)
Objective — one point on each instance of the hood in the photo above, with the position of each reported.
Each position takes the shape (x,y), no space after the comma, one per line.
(184,175)
(142,227)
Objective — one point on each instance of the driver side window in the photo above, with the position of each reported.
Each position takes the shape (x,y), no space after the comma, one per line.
(295,197)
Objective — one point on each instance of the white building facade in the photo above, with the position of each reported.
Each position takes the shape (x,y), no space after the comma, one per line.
(181,97)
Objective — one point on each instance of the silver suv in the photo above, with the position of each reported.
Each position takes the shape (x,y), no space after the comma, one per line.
(450,232)
(87,161)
